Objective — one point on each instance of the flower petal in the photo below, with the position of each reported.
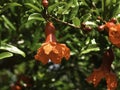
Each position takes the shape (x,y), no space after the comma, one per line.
(65,51)
(47,48)
(55,58)
(114,35)
(41,56)
(111,80)
(96,77)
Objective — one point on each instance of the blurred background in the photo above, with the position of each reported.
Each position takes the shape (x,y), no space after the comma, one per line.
(22,26)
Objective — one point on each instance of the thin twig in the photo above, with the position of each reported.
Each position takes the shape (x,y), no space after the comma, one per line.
(69,24)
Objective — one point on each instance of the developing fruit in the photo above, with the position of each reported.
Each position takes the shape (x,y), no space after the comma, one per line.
(114,20)
(45,3)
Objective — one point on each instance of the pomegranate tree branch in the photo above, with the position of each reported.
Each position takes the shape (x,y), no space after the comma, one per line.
(69,24)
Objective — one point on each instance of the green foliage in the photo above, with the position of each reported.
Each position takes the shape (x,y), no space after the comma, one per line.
(12,49)
(22,25)
(5,55)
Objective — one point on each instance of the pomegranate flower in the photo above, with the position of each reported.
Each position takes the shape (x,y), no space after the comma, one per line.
(51,50)
(104,71)
(113,32)
(114,35)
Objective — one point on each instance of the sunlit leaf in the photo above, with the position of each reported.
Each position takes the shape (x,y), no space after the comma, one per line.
(33,7)
(92,48)
(12,49)
(74,12)
(76,21)
(5,55)
(85,17)
(8,22)
(51,8)
(35,16)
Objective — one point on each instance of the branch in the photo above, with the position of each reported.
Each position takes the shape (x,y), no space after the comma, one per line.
(69,24)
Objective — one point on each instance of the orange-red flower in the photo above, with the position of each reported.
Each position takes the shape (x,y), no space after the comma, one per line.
(111,80)
(114,35)
(96,76)
(113,32)
(104,71)
(51,50)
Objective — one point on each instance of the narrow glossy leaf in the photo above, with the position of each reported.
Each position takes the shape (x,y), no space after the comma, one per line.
(35,16)
(33,7)
(10,5)
(84,2)
(8,22)
(5,55)
(51,8)
(67,8)
(92,48)
(12,49)
(76,21)
(74,12)
(13,4)
(85,17)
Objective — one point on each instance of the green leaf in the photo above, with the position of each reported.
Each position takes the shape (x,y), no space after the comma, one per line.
(75,2)
(74,12)
(33,7)
(6,20)
(9,5)
(108,2)
(5,55)
(51,8)
(85,17)
(92,48)
(76,21)
(116,10)
(13,4)
(12,49)
(35,16)
(84,2)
